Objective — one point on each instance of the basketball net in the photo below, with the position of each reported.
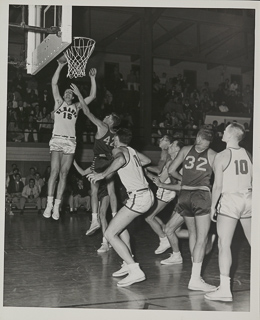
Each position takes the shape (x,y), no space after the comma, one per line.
(77,56)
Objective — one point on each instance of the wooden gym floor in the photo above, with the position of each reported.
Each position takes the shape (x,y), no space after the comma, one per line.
(53,264)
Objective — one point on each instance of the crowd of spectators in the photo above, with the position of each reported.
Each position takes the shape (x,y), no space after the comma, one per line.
(31,190)
(180,109)
(176,104)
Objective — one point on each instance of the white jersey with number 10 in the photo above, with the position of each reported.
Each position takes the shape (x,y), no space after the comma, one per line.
(237,177)
(131,174)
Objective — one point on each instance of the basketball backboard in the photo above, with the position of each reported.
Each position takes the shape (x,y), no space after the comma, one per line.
(43,48)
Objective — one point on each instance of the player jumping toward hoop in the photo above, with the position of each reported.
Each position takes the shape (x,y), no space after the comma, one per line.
(103,146)
(63,141)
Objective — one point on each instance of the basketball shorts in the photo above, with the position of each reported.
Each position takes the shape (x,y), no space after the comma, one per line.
(140,201)
(64,145)
(100,164)
(235,205)
(165,195)
(193,203)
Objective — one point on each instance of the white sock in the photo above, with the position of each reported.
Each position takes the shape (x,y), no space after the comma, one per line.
(104,240)
(225,282)
(57,202)
(49,201)
(94,216)
(176,253)
(196,270)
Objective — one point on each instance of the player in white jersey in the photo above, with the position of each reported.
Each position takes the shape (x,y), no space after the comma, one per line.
(63,141)
(128,163)
(232,194)
(163,197)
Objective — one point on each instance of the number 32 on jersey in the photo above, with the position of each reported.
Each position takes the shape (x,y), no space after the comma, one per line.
(199,165)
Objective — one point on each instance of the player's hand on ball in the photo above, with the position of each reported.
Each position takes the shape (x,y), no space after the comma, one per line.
(156,181)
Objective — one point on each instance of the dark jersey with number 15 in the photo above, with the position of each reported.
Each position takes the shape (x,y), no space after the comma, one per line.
(105,144)
(196,169)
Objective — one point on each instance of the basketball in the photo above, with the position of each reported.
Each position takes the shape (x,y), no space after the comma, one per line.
(62,59)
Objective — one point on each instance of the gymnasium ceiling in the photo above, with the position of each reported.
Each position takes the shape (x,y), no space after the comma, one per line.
(212,36)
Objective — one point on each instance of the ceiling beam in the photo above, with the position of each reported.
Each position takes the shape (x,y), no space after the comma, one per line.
(172,33)
(125,26)
(212,17)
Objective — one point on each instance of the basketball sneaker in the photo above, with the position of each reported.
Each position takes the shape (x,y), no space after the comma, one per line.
(121,272)
(175,258)
(56,213)
(135,275)
(163,246)
(220,295)
(47,211)
(104,247)
(93,227)
(200,285)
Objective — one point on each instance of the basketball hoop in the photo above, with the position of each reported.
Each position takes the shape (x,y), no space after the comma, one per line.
(77,56)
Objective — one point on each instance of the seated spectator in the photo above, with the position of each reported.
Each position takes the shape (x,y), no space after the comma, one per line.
(31,175)
(30,194)
(14,131)
(30,132)
(32,98)
(169,106)
(43,195)
(46,174)
(39,181)
(174,120)
(131,81)
(81,194)
(19,84)
(45,99)
(234,86)
(11,176)
(223,107)
(15,189)
(45,128)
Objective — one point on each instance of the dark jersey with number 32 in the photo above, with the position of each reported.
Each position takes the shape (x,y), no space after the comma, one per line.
(196,169)
(105,144)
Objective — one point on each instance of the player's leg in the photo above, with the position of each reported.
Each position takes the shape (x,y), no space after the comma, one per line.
(55,169)
(246,225)
(112,193)
(94,205)
(158,226)
(225,228)
(121,220)
(198,230)
(172,225)
(66,162)
(103,206)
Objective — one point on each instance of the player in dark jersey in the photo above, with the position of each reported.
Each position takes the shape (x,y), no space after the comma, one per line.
(103,200)
(194,201)
(103,146)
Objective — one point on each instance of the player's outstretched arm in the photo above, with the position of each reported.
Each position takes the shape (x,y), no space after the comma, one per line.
(93,89)
(85,108)
(168,186)
(173,167)
(80,170)
(163,158)
(54,84)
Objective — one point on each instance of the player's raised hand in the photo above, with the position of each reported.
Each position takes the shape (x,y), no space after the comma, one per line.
(75,89)
(93,72)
